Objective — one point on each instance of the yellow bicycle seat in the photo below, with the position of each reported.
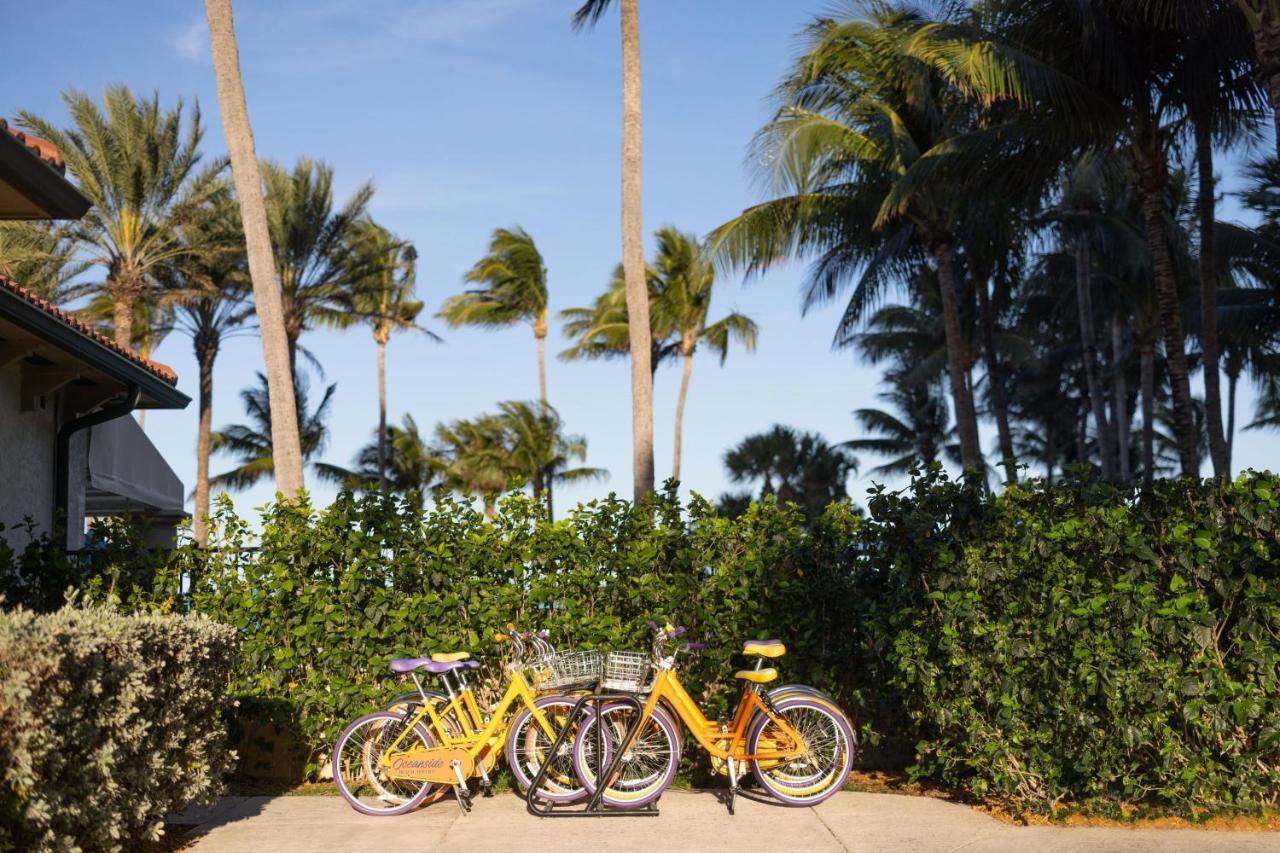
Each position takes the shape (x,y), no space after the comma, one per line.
(764,648)
(450,657)
(757,676)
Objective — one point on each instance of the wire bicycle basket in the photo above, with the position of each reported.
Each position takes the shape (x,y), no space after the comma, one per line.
(565,669)
(628,672)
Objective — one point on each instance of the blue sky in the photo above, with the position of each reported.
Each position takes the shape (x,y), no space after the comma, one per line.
(474,114)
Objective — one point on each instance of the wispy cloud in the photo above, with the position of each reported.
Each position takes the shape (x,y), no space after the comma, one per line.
(191,41)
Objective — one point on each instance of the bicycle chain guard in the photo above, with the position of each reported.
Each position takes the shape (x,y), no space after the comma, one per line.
(433,764)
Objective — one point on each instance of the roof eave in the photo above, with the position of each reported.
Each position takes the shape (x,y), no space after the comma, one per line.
(156,392)
(40,183)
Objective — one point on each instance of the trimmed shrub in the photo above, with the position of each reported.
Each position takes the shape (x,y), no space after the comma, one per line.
(1048,646)
(108,722)
(1081,645)
(330,596)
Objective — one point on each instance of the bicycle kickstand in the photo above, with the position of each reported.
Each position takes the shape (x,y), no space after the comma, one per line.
(733,784)
(460,789)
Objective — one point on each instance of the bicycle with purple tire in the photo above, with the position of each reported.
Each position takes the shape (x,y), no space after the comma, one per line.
(796,741)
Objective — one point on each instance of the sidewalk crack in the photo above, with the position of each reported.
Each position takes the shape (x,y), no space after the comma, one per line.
(830,832)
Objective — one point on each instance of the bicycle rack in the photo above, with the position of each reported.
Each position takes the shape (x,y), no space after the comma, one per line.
(596,807)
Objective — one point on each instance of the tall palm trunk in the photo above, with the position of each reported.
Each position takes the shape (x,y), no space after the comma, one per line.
(996,379)
(1089,352)
(686,371)
(1120,400)
(1209,301)
(1233,376)
(380,337)
(540,332)
(1147,375)
(127,285)
(206,353)
(1153,176)
(966,418)
(286,447)
(637,288)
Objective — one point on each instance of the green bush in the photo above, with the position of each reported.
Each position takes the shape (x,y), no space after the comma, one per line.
(330,596)
(115,564)
(1049,646)
(1079,645)
(108,722)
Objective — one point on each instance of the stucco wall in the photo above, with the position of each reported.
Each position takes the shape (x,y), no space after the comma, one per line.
(26,460)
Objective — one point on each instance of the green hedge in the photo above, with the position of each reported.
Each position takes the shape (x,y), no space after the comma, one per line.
(1046,646)
(330,596)
(1060,645)
(108,722)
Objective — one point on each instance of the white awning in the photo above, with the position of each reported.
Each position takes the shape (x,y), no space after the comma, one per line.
(128,474)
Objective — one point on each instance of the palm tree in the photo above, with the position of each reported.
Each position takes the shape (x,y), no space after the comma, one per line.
(382,273)
(1199,17)
(1224,102)
(589,14)
(314,246)
(140,166)
(41,256)
(285,441)
(680,282)
(412,467)
(603,329)
(538,449)
(872,115)
(1136,80)
(252,442)
(208,293)
(795,467)
(918,434)
(475,459)
(1077,219)
(686,279)
(513,289)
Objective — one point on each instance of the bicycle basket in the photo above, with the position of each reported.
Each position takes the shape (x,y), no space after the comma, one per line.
(627,671)
(565,669)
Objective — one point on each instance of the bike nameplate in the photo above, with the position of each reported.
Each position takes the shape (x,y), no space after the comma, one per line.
(431,765)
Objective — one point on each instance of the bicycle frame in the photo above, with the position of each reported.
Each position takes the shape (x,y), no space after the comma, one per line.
(487,742)
(667,686)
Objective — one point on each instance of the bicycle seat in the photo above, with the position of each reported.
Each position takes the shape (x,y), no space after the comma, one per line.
(450,657)
(403,665)
(764,648)
(757,676)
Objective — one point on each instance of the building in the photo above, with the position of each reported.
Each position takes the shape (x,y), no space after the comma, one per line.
(68,447)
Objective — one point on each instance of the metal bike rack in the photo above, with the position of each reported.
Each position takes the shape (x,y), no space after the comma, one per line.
(596,807)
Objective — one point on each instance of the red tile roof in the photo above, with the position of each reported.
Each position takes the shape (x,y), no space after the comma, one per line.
(42,148)
(161,370)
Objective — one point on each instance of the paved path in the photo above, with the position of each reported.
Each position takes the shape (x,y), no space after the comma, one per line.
(690,821)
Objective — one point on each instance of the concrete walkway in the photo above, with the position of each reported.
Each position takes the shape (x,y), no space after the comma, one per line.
(690,821)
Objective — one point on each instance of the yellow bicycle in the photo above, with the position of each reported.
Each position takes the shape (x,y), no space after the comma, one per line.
(797,742)
(391,761)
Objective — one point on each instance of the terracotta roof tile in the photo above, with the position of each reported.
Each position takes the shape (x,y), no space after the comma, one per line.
(42,148)
(161,370)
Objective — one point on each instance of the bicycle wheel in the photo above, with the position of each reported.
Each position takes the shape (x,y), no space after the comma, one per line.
(721,767)
(648,764)
(528,746)
(818,772)
(363,784)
